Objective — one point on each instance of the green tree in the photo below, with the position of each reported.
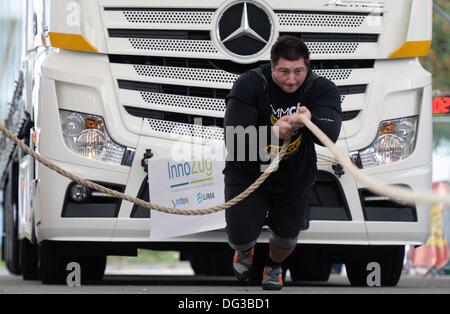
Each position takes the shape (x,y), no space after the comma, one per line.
(438,61)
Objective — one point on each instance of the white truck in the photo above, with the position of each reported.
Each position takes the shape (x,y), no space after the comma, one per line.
(105,81)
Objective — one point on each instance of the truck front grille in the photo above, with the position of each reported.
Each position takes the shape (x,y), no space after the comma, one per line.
(170,70)
(321,19)
(286,18)
(200,41)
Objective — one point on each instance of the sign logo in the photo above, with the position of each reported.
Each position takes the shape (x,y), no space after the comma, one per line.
(280,112)
(181,201)
(357,4)
(441,105)
(183,171)
(250,35)
(202,197)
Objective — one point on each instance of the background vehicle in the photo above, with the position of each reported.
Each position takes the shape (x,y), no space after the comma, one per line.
(102,81)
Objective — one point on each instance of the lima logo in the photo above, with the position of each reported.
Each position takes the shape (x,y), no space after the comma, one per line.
(202,197)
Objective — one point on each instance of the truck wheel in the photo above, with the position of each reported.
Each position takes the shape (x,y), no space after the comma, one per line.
(12,243)
(29,260)
(200,264)
(390,259)
(308,271)
(47,263)
(53,263)
(12,247)
(307,264)
(92,268)
(214,262)
(222,263)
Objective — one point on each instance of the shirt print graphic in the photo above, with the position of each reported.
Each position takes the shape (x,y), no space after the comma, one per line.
(297,137)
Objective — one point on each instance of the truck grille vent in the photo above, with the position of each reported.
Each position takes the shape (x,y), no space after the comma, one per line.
(170,45)
(191,119)
(169,17)
(286,18)
(209,92)
(320,20)
(230,66)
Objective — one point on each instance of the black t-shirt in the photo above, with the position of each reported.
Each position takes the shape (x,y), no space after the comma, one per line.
(252,103)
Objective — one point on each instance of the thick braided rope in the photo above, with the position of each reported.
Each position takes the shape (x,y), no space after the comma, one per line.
(399,194)
(396,193)
(198,212)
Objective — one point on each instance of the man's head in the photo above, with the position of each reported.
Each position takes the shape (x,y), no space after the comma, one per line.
(290,63)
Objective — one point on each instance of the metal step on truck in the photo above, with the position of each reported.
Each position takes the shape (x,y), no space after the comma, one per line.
(102,82)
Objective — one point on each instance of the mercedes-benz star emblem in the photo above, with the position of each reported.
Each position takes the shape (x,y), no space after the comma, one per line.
(245,29)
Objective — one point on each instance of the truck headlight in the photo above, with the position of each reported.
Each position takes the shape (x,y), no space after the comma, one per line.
(91,144)
(86,135)
(395,141)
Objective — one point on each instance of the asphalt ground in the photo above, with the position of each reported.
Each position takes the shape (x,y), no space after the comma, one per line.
(179,280)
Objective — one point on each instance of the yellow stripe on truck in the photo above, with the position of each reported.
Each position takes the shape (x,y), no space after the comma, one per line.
(412,49)
(71,42)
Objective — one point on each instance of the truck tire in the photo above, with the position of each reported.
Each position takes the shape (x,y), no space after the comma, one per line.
(390,259)
(212,263)
(47,263)
(53,262)
(12,243)
(222,263)
(92,268)
(309,271)
(306,263)
(200,264)
(29,260)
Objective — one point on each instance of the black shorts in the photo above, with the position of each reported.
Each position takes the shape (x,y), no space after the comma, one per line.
(284,208)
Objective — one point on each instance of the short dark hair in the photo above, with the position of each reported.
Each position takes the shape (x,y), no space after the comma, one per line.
(290,48)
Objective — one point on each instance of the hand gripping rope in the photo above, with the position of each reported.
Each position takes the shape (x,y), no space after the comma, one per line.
(395,193)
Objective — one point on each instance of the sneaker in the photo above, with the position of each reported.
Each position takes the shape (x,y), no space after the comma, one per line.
(242,263)
(272,278)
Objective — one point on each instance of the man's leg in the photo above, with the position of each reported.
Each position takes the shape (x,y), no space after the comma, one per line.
(288,215)
(280,249)
(277,253)
(244,224)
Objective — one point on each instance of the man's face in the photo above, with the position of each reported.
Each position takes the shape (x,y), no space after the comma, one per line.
(289,75)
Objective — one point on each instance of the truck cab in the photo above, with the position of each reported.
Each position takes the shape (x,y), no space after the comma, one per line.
(105,81)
